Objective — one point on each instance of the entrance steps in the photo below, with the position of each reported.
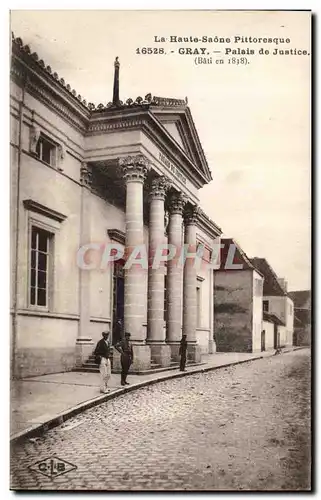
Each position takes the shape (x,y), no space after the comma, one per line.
(90,366)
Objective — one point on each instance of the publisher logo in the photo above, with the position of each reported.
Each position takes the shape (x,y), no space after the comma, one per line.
(52,467)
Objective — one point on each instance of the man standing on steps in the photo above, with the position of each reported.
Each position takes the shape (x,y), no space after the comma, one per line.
(126,357)
(102,356)
(182,352)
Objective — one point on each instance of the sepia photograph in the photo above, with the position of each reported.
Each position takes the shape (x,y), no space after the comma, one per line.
(160,250)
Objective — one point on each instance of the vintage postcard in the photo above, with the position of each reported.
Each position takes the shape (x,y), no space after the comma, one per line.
(160,250)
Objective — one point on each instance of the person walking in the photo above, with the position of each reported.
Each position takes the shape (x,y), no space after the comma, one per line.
(126,357)
(102,356)
(182,353)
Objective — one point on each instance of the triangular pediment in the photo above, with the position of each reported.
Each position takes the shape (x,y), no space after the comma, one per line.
(176,118)
(172,128)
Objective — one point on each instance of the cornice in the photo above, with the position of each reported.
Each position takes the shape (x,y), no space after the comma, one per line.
(207,225)
(27,72)
(116,235)
(48,97)
(34,206)
(31,59)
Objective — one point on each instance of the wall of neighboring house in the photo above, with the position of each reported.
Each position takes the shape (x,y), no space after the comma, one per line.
(233,311)
(282,335)
(269,335)
(282,306)
(289,321)
(257,311)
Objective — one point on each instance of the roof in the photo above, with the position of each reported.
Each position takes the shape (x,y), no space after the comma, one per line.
(301,299)
(232,251)
(272,318)
(271,285)
(302,317)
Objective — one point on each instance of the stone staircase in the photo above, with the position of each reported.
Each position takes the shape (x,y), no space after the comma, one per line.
(90,366)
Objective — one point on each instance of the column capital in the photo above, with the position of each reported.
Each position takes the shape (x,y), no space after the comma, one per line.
(177,203)
(85,175)
(134,168)
(191,214)
(158,188)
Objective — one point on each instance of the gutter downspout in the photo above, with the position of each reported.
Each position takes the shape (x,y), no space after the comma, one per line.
(17,228)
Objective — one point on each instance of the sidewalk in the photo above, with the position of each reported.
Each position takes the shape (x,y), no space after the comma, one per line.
(38,403)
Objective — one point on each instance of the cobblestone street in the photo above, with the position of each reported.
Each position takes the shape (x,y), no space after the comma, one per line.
(245,427)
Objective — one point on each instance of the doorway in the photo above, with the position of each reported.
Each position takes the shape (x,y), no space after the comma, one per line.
(262,340)
(276,337)
(118,301)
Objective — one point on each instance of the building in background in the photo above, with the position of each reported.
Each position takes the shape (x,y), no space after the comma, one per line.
(84,176)
(276,301)
(302,317)
(272,331)
(238,295)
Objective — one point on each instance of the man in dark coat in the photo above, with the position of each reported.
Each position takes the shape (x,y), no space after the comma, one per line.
(126,357)
(182,352)
(102,356)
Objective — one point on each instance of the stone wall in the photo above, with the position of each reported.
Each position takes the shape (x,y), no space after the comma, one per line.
(269,335)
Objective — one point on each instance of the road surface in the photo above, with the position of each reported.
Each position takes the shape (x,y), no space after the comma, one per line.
(245,427)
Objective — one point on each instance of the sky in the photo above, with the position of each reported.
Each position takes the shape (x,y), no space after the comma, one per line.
(253,120)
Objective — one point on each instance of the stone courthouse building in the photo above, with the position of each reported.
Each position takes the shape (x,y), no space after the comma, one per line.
(86,176)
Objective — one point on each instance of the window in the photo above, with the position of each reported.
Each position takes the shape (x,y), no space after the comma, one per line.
(40,264)
(265,305)
(47,151)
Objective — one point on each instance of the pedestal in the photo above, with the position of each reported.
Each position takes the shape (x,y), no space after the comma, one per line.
(84,349)
(174,347)
(142,359)
(161,354)
(194,353)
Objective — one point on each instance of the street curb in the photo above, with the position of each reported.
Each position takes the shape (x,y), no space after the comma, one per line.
(38,430)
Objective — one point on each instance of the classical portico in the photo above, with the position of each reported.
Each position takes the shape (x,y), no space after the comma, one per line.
(161,341)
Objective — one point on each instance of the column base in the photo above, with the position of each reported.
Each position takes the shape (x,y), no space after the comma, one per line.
(142,359)
(174,346)
(84,348)
(194,353)
(161,354)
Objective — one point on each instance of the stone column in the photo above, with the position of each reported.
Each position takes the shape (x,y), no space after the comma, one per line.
(189,286)
(160,352)
(84,343)
(135,169)
(174,275)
